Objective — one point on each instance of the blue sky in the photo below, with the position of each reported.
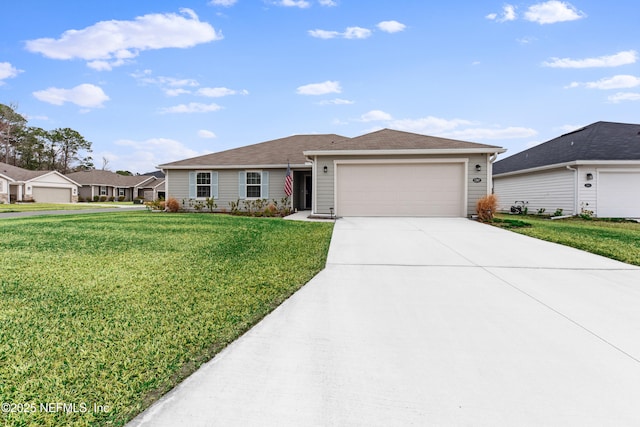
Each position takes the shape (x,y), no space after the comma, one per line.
(154,81)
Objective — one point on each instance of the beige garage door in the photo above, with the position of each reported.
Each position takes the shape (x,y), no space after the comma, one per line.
(51,195)
(618,194)
(402,189)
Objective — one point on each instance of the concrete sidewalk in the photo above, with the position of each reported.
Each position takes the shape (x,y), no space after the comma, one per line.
(420,321)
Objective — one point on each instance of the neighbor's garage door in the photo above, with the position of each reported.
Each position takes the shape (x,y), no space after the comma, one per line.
(618,195)
(400,189)
(51,195)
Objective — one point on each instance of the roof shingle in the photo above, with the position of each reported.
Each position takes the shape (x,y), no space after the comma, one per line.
(598,141)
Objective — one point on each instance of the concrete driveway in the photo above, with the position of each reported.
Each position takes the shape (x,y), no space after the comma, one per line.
(433,322)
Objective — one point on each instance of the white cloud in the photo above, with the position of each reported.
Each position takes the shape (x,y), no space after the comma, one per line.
(192,107)
(375,116)
(7,71)
(508,14)
(109,44)
(84,95)
(391,26)
(324,34)
(349,33)
(206,134)
(215,92)
(473,134)
(169,85)
(144,156)
(624,96)
(621,58)
(615,82)
(336,101)
(553,11)
(223,3)
(327,3)
(428,125)
(302,4)
(448,128)
(320,88)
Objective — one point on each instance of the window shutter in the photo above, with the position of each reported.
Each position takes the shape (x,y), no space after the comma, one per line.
(192,185)
(242,186)
(264,191)
(214,185)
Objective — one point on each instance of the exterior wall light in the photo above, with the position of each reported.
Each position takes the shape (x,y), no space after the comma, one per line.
(589,176)
(325,169)
(478,168)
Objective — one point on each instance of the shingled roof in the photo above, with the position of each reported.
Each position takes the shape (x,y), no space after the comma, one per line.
(598,141)
(19,174)
(389,139)
(280,152)
(276,152)
(108,178)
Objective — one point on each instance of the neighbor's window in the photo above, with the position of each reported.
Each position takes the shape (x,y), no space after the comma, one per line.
(254,184)
(203,184)
(103,190)
(121,192)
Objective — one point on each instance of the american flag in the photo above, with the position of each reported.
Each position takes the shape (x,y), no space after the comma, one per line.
(288,182)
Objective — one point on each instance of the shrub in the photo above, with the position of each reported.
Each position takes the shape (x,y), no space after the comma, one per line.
(486,207)
(103,198)
(80,199)
(558,212)
(121,198)
(211,203)
(172,205)
(96,198)
(111,198)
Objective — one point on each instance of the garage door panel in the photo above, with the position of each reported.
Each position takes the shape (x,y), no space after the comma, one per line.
(425,189)
(618,194)
(51,195)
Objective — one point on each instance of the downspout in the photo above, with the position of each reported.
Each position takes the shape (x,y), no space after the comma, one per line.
(492,159)
(575,189)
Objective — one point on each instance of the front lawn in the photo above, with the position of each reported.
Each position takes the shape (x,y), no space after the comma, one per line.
(619,240)
(101,314)
(28,207)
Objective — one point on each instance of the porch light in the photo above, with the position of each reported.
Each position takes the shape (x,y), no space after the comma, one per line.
(325,169)
(478,168)
(589,176)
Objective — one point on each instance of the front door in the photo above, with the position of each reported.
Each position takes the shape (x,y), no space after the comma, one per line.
(307,192)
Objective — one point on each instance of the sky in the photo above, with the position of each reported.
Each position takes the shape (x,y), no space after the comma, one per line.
(155,81)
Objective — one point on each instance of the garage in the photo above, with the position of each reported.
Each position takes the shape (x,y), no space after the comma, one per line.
(618,194)
(427,189)
(51,195)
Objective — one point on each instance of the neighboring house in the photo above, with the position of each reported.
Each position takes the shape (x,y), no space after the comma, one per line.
(384,173)
(105,183)
(22,185)
(595,168)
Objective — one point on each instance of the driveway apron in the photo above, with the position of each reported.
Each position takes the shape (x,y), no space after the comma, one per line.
(432,321)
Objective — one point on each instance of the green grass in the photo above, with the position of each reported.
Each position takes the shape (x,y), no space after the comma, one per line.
(28,207)
(116,309)
(618,240)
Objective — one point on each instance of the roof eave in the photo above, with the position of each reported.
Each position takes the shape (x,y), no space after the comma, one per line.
(420,151)
(208,167)
(565,164)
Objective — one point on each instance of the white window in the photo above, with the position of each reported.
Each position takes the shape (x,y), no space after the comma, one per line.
(121,192)
(103,190)
(254,185)
(203,184)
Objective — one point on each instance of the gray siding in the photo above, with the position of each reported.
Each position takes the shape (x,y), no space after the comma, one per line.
(551,190)
(178,185)
(324,182)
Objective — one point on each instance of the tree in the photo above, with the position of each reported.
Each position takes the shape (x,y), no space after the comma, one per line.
(11,124)
(67,144)
(124,173)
